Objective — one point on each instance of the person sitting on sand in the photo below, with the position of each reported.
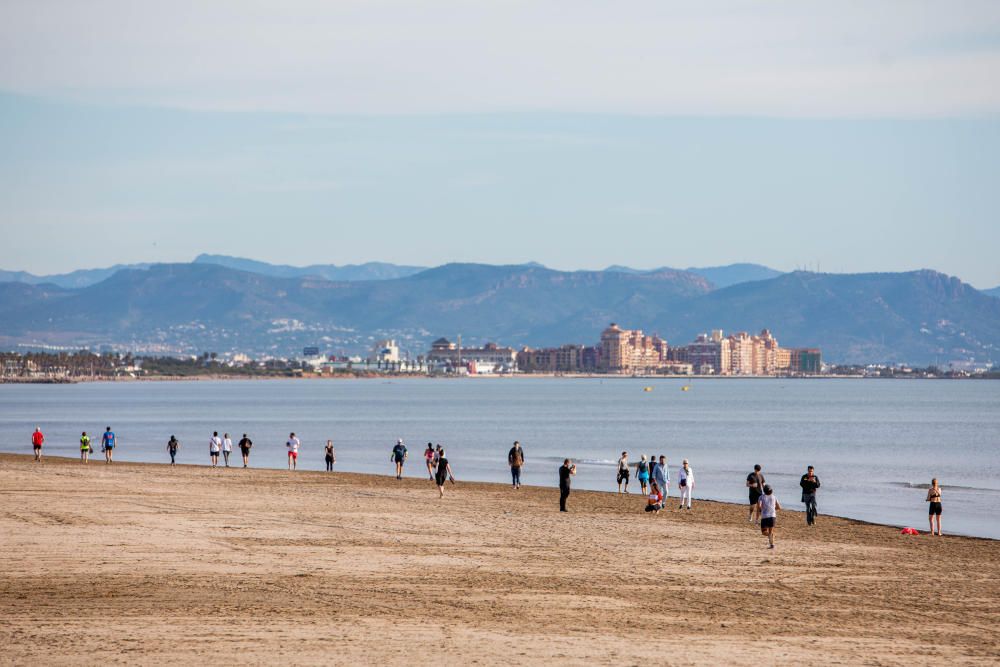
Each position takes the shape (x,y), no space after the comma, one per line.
(443,473)
(429,460)
(214,447)
(245,445)
(331,456)
(623,472)
(293,451)
(37,439)
(769,507)
(108,444)
(566,470)
(85,447)
(654,502)
(172,446)
(398,456)
(642,473)
(934,511)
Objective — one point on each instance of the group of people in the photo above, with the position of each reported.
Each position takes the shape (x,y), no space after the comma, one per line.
(653,476)
(652,473)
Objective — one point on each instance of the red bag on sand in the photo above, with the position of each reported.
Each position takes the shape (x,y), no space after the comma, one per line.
(910,531)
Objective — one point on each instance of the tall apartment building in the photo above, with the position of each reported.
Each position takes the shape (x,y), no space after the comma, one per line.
(708,354)
(565,359)
(629,351)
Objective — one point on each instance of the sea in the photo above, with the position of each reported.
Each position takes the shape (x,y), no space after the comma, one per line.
(875,443)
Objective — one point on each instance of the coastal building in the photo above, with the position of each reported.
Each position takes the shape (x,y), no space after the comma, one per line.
(565,359)
(445,356)
(707,355)
(630,351)
(384,352)
(805,361)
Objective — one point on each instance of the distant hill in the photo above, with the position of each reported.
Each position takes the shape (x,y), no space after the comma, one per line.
(919,317)
(349,272)
(73,279)
(994,291)
(719,276)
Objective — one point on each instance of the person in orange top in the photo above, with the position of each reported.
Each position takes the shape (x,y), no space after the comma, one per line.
(654,502)
(36,442)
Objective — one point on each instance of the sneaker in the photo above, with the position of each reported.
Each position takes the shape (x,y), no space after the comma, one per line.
(770,546)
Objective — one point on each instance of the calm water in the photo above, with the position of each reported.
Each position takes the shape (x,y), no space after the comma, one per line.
(875,443)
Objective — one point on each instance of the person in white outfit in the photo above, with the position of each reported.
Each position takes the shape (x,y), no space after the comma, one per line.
(685,483)
(227,448)
(214,447)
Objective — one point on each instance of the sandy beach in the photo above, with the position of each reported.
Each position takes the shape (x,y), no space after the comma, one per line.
(143,563)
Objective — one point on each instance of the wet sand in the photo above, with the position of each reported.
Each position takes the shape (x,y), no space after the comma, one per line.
(143,563)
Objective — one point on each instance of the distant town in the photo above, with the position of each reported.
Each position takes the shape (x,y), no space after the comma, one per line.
(623,352)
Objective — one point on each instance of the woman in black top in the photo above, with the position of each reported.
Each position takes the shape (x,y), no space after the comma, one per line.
(331,457)
(443,473)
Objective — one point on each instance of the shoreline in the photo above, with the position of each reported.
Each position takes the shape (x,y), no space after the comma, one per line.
(378,477)
(144,563)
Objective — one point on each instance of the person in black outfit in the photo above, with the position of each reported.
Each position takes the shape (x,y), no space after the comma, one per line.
(809,484)
(565,471)
(245,445)
(755,482)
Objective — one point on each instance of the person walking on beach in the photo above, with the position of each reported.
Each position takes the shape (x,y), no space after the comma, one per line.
(398,457)
(515,459)
(566,470)
(661,477)
(37,440)
(429,460)
(85,447)
(331,456)
(245,445)
(172,446)
(623,473)
(809,484)
(443,473)
(227,448)
(685,481)
(642,473)
(654,501)
(293,451)
(108,444)
(934,510)
(755,483)
(214,447)
(769,507)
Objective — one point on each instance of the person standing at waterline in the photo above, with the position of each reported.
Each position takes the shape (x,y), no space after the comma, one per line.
(623,472)
(566,470)
(769,507)
(245,445)
(293,451)
(809,484)
(755,482)
(685,481)
(214,447)
(515,459)
(429,460)
(642,473)
(661,476)
(85,447)
(934,509)
(443,473)
(37,440)
(108,444)
(398,456)
(331,456)
(227,448)
(172,446)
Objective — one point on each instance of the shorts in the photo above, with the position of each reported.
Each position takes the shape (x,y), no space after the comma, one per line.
(623,476)
(754,496)
(440,479)
(397,459)
(36,447)
(643,477)
(767,523)
(245,451)
(934,510)
(293,455)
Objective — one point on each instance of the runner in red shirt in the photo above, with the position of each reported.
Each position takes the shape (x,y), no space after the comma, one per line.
(36,442)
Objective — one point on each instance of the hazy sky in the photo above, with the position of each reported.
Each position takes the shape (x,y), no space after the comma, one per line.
(852,136)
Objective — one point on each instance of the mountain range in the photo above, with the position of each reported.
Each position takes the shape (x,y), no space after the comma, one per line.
(918,317)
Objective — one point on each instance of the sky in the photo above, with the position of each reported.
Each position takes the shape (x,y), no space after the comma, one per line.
(844,137)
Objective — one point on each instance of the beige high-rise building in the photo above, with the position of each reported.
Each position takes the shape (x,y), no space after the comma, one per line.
(630,351)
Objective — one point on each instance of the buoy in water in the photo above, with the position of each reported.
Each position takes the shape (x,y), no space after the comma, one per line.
(647,389)
(685,387)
